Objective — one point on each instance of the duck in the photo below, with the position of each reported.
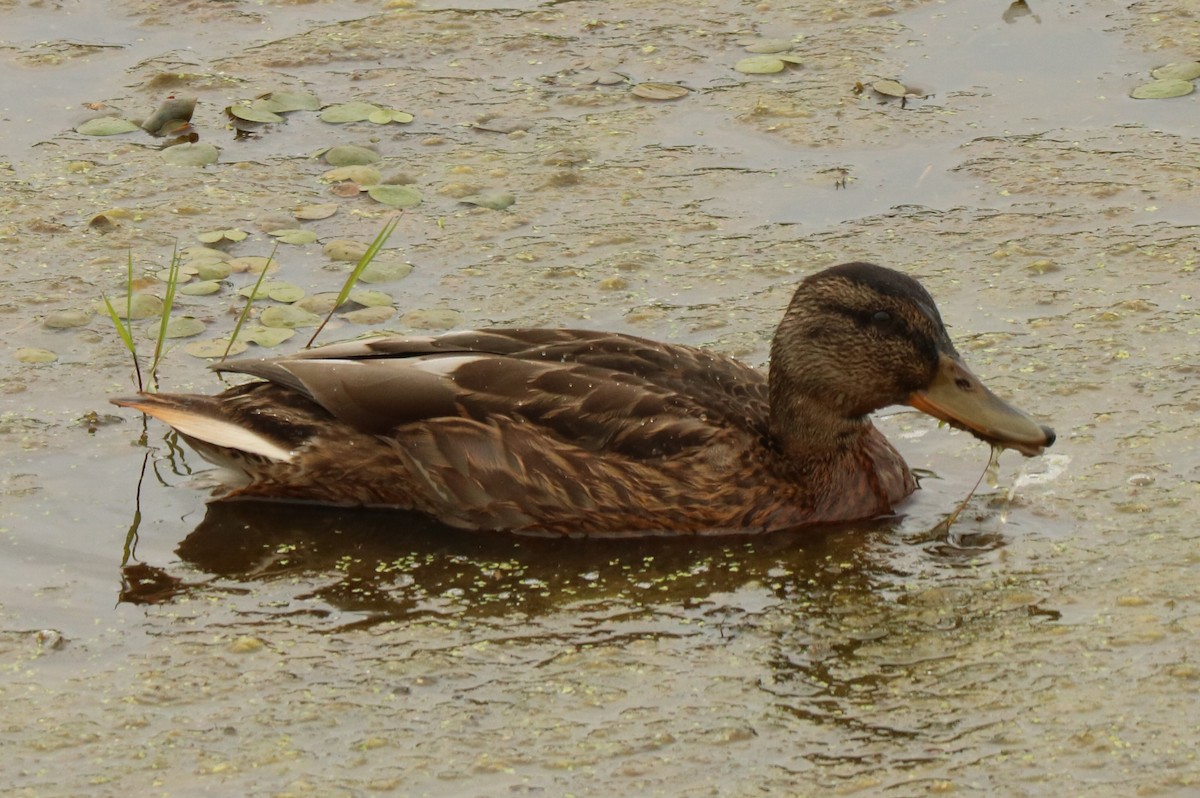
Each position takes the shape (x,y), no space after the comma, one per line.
(569,432)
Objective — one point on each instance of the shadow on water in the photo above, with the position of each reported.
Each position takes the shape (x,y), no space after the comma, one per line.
(392,564)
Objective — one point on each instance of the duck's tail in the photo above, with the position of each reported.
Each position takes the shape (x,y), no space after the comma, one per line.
(211,430)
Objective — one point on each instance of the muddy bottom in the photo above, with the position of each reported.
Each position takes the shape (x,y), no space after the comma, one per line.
(153,642)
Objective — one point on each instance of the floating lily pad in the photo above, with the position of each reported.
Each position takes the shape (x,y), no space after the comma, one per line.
(503,124)
(363,175)
(278,290)
(767,46)
(370,298)
(1162,89)
(213,236)
(497,201)
(213,270)
(140,306)
(203,253)
(386,116)
(266,336)
(759,65)
(395,196)
(288,316)
(790,59)
(348,112)
(313,212)
(433,319)
(282,102)
(183,327)
(66,319)
(214,348)
(890,88)
(254,264)
(660,91)
(1184,70)
(296,236)
(345,249)
(253,112)
(34,355)
(384,271)
(320,303)
(189,154)
(107,126)
(369,316)
(200,288)
(350,155)
(182,274)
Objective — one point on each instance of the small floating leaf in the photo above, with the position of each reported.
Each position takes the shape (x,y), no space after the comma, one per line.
(768,46)
(369,298)
(201,288)
(395,196)
(344,249)
(433,319)
(1184,70)
(140,306)
(660,91)
(313,212)
(251,112)
(363,175)
(759,65)
(66,319)
(502,124)
(1162,89)
(319,303)
(296,236)
(266,336)
(213,236)
(253,263)
(184,327)
(348,112)
(288,316)
(890,88)
(34,355)
(107,126)
(790,59)
(350,155)
(279,290)
(283,101)
(384,271)
(180,274)
(213,270)
(497,201)
(189,154)
(369,316)
(214,348)
(385,116)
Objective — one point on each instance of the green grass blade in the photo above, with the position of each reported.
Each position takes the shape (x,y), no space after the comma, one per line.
(362,264)
(237,328)
(168,303)
(125,328)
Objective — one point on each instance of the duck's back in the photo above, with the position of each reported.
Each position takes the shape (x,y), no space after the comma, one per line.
(556,431)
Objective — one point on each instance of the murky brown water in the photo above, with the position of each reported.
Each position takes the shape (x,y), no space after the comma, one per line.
(1048,648)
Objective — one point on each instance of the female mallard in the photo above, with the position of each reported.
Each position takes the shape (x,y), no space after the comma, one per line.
(572,432)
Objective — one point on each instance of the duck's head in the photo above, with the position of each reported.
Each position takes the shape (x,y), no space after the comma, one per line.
(858,337)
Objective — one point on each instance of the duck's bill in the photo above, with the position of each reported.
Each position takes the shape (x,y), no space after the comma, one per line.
(957,397)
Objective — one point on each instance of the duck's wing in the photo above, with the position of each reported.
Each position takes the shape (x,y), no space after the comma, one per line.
(599,391)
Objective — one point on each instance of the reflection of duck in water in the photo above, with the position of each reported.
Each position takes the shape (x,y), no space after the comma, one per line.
(577,432)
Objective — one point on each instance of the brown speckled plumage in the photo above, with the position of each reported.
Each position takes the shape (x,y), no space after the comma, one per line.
(570,432)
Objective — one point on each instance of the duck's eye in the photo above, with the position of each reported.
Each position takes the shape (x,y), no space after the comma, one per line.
(881,318)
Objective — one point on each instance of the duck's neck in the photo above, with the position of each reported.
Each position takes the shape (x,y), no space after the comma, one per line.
(805,428)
